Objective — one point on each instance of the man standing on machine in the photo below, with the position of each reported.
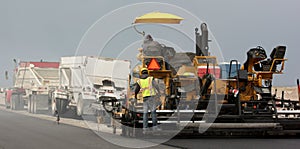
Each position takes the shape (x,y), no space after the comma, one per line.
(149,88)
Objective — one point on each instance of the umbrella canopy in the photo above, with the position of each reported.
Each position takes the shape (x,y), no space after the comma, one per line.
(158,17)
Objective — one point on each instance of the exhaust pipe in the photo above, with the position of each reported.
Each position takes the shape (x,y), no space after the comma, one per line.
(298,89)
(202,41)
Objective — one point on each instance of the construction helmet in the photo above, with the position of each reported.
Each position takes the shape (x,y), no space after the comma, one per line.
(144,71)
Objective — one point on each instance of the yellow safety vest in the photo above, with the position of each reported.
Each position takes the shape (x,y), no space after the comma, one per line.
(146,87)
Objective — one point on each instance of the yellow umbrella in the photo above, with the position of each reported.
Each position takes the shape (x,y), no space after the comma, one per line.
(158,17)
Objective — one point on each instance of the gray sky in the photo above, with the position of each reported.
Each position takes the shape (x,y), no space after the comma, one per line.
(32,30)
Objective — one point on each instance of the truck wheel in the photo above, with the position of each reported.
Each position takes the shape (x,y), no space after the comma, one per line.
(33,104)
(20,103)
(49,104)
(79,108)
(29,104)
(12,105)
(53,107)
(61,105)
(7,104)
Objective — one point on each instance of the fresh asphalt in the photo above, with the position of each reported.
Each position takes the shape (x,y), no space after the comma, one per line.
(19,131)
(22,131)
(25,132)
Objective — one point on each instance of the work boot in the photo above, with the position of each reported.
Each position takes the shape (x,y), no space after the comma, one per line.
(156,128)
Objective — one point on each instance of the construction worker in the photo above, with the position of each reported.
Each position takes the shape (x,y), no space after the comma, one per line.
(149,89)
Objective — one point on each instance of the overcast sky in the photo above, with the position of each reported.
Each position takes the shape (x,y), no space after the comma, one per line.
(33,29)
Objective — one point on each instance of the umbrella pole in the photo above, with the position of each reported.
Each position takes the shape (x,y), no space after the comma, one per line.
(142,33)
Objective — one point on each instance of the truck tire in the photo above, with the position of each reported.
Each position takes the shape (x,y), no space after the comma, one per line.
(7,104)
(79,107)
(53,107)
(29,105)
(34,102)
(20,103)
(61,105)
(17,102)
(49,104)
(12,104)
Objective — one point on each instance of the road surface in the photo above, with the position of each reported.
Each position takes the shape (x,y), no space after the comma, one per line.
(19,131)
(236,143)
(24,132)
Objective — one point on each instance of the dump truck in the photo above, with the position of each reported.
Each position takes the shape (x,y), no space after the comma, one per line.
(32,82)
(88,80)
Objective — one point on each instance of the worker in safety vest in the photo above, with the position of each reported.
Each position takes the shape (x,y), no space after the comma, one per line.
(149,89)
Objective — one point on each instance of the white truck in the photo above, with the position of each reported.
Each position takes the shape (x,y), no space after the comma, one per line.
(32,83)
(85,80)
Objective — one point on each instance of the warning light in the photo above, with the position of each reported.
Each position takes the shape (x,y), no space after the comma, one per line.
(153,65)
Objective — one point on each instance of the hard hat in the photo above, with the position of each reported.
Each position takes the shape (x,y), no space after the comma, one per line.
(144,71)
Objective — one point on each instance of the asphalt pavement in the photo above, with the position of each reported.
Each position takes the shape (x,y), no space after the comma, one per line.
(236,143)
(19,131)
(22,130)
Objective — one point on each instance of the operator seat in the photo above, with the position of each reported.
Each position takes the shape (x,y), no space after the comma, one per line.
(277,53)
(276,57)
